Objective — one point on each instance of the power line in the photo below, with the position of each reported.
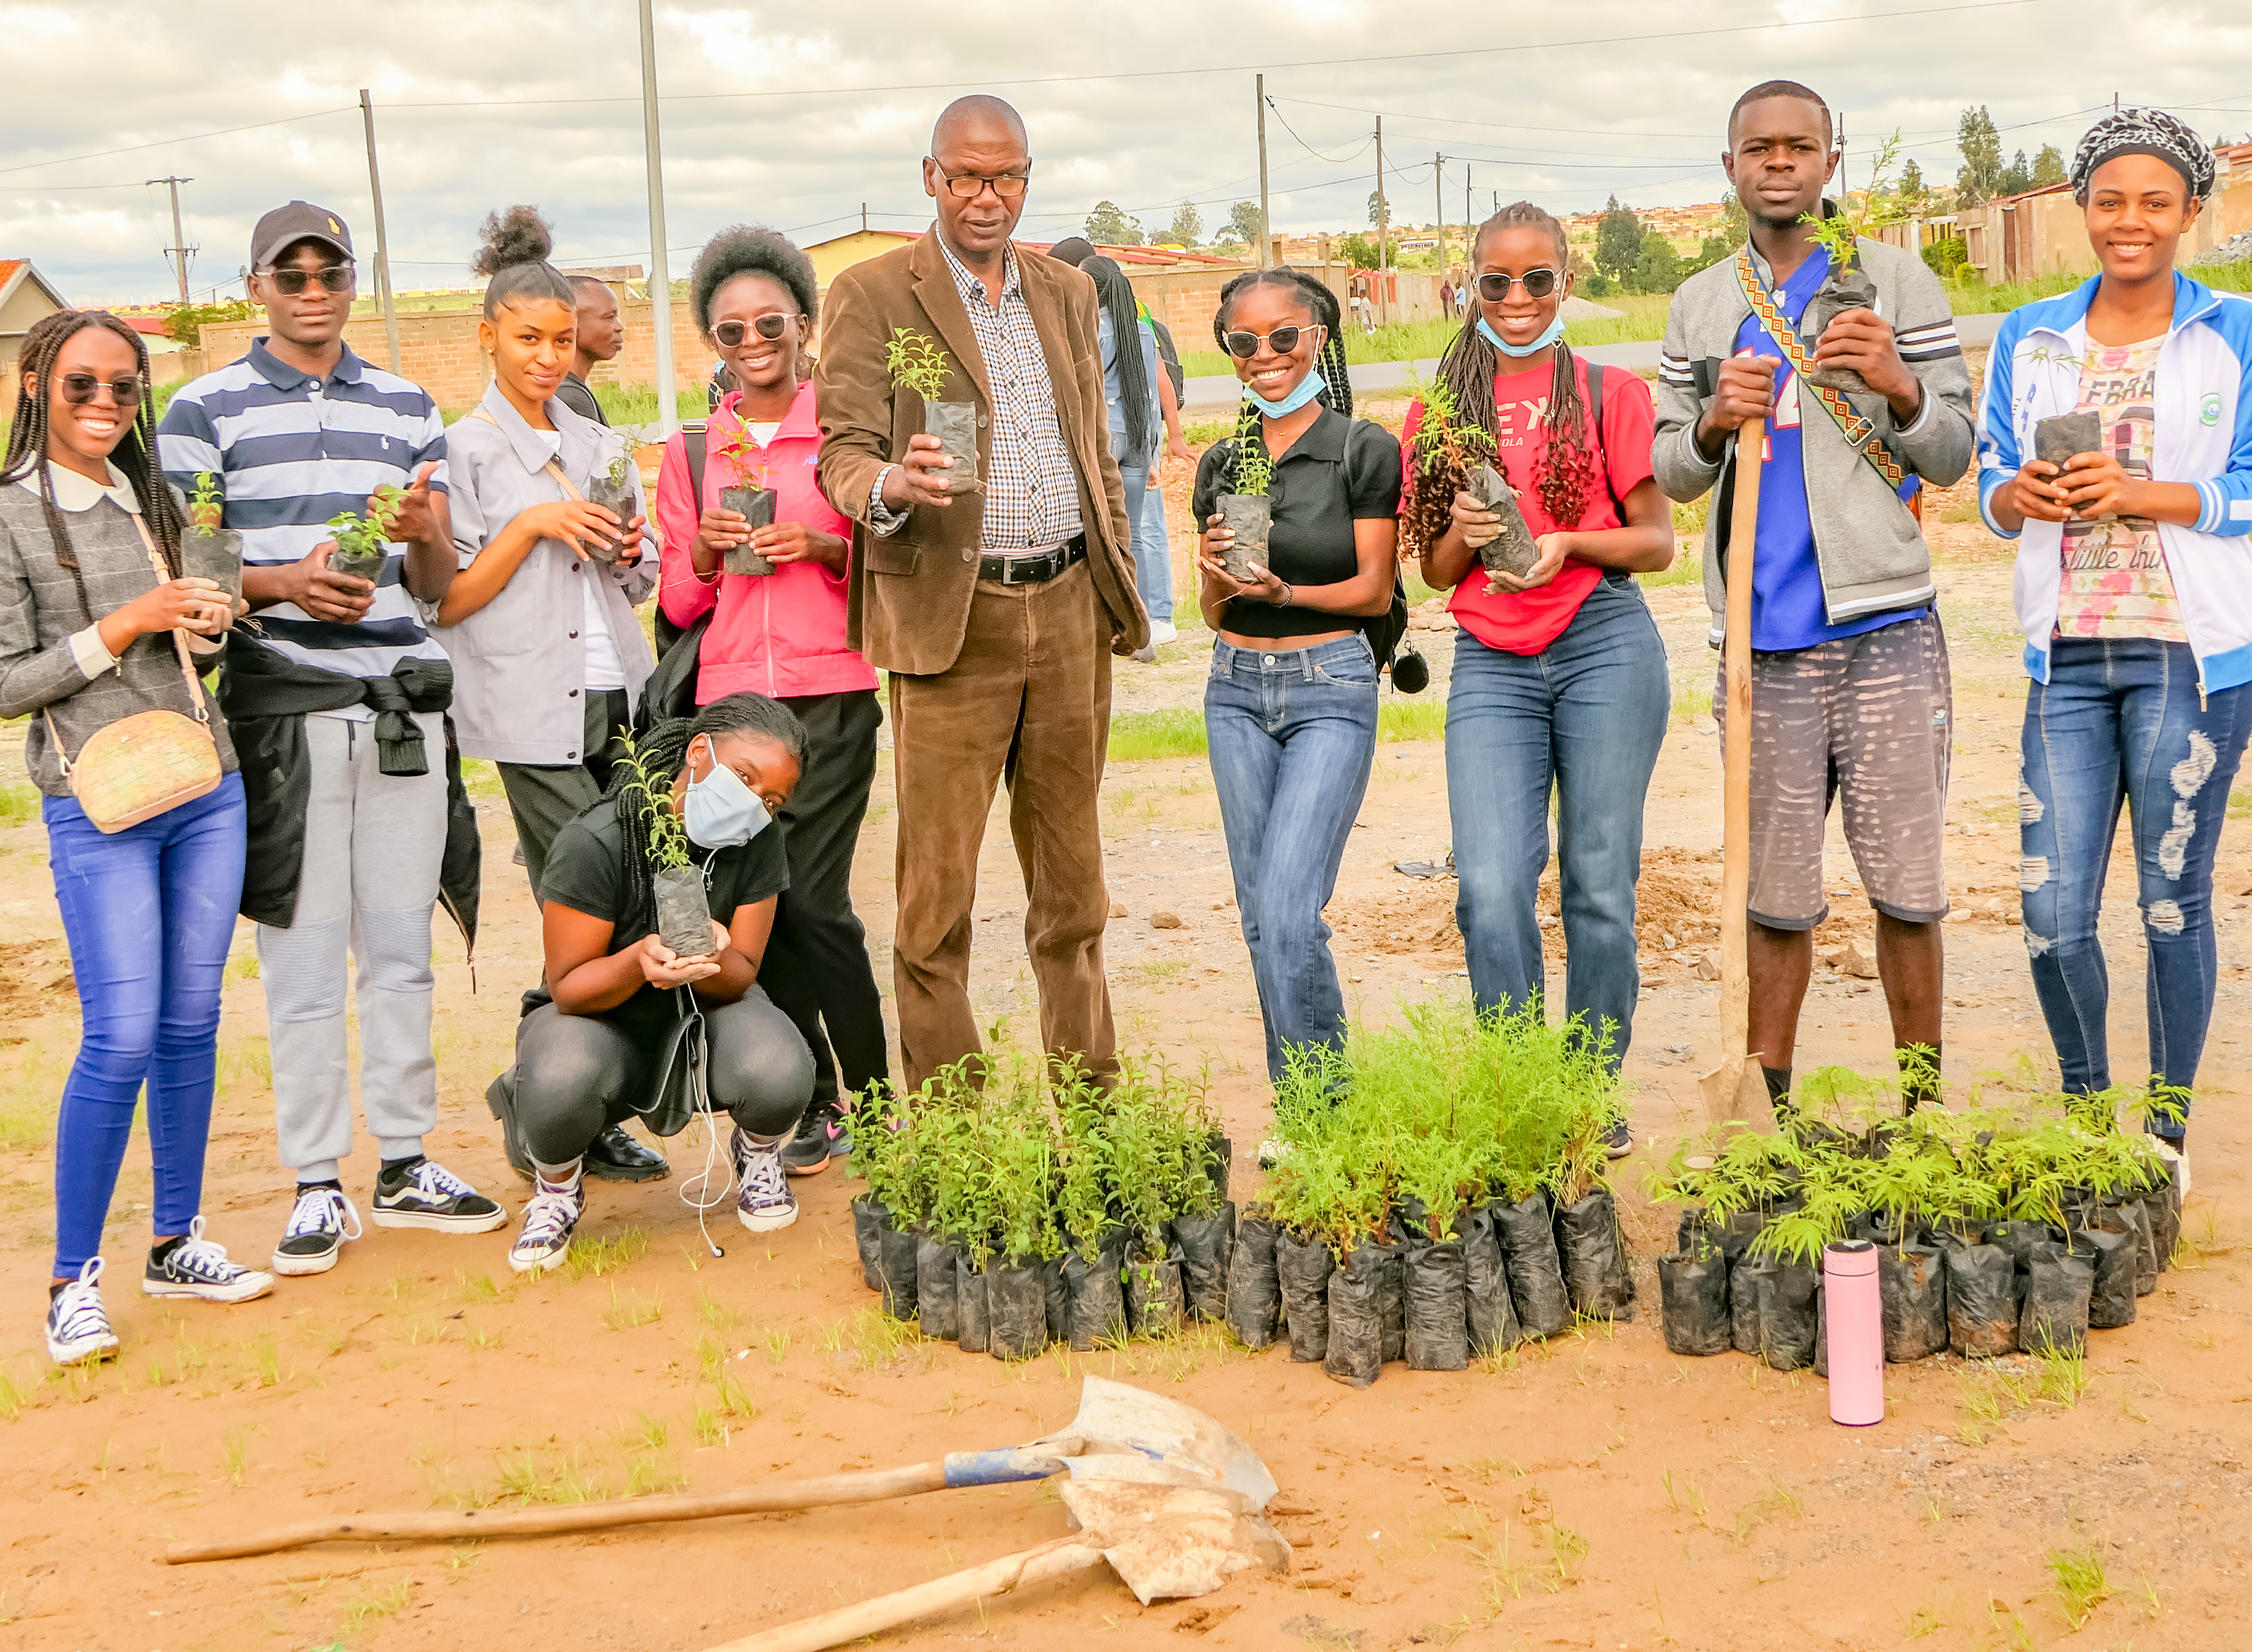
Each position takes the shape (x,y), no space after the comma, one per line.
(224,131)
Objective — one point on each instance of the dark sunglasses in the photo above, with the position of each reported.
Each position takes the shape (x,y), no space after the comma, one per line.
(1243,346)
(1539,283)
(334,278)
(729,334)
(79,388)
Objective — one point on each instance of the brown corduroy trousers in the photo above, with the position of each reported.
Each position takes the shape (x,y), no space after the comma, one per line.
(1028,699)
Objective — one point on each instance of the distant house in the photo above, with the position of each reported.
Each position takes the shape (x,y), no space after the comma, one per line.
(26,295)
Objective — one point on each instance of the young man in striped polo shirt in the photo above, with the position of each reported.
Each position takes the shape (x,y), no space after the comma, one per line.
(1851,695)
(336,706)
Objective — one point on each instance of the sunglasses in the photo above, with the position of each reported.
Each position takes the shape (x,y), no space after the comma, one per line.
(1243,346)
(730,334)
(1538,283)
(333,278)
(1008,186)
(78,389)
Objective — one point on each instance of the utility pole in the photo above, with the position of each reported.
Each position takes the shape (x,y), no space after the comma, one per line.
(1266,234)
(382,237)
(1383,227)
(660,280)
(1469,229)
(1439,197)
(863,217)
(179,247)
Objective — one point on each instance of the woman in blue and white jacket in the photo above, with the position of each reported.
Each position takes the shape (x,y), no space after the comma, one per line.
(2134,589)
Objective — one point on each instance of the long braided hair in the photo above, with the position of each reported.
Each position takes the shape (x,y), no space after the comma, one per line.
(1564,473)
(134,454)
(663,751)
(1136,400)
(1328,314)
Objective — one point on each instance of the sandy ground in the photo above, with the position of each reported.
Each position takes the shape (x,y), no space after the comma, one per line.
(1596,1492)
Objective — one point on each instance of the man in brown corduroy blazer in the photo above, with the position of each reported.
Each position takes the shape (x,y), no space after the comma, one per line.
(994,601)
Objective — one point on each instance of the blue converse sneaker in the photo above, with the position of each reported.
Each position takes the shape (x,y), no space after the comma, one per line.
(199,1267)
(763,1201)
(77,1325)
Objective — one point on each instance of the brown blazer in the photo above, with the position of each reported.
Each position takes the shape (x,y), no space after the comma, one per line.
(908,604)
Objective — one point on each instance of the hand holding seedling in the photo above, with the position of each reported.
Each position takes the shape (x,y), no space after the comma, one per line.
(189,604)
(1553,548)
(785,542)
(718,531)
(2034,493)
(575,523)
(1478,526)
(1862,340)
(1224,588)
(921,476)
(312,585)
(666,969)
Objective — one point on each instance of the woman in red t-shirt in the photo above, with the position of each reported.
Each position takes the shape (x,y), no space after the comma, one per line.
(1559,679)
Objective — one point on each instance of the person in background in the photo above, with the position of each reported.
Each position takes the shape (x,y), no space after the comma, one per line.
(1446,290)
(781,634)
(539,623)
(1132,396)
(594,1046)
(995,602)
(1153,545)
(1290,703)
(338,713)
(93,632)
(1560,689)
(2134,590)
(598,338)
(1462,299)
(1851,693)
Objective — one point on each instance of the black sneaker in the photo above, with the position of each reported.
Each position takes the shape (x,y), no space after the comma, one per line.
(424,1194)
(615,1156)
(1618,1141)
(319,1223)
(199,1267)
(820,1138)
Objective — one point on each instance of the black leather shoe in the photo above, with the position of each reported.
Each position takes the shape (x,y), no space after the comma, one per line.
(615,1156)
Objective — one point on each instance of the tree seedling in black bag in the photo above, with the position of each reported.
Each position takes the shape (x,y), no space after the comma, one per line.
(919,363)
(1693,1295)
(612,487)
(1847,286)
(1303,1266)
(683,913)
(209,551)
(1254,1296)
(1355,1354)
(363,544)
(751,500)
(1451,455)
(1245,510)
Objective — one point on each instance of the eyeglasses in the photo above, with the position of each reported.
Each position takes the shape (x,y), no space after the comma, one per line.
(729,334)
(78,389)
(1539,283)
(1282,341)
(1008,186)
(333,278)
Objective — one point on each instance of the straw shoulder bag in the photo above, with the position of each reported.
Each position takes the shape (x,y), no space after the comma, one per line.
(143,765)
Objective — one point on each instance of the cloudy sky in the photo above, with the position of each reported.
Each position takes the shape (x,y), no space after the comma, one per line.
(797,114)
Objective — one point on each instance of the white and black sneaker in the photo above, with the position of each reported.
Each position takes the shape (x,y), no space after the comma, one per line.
(320,1223)
(763,1201)
(422,1193)
(199,1267)
(549,1221)
(77,1325)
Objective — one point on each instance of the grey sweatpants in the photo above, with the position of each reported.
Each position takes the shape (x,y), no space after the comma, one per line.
(373,844)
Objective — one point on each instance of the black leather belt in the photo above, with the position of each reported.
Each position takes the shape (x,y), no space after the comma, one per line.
(1032,570)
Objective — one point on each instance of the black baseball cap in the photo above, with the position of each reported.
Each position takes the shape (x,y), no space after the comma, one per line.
(299,221)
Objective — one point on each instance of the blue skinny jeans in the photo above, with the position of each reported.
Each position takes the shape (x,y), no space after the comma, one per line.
(1582,719)
(2119,721)
(149,913)
(1292,734)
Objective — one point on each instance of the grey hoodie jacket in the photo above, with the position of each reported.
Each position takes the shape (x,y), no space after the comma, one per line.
(1869,545)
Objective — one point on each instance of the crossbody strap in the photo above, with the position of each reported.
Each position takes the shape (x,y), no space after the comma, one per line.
(180,645)
(1861,432)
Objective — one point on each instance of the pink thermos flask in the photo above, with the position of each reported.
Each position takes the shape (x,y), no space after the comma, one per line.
(1854,1324)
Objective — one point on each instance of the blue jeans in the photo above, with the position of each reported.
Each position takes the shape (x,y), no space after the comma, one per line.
(1153,554)
(1584,718)
(2118,721)
(150,912)
(1292,735)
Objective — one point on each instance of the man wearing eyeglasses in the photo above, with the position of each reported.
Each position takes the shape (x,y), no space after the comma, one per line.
(336,709)
(996,600)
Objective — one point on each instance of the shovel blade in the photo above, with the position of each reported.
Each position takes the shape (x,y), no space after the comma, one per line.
(1735,1093)
(1117,1419)
(1171,1542)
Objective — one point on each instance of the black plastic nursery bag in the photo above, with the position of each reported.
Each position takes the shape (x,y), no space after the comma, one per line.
(1536,1277)
(1355,1356)
(1304,1268)
(1254,1298)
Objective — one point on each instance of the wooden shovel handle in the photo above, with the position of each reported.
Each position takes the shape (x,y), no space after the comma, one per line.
(1736,757)
(962,1588)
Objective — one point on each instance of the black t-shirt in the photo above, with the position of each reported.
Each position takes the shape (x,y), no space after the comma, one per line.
(1342,470)
(583,873)
(575,393)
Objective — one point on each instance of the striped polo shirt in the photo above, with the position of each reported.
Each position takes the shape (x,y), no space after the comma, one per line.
(292,451)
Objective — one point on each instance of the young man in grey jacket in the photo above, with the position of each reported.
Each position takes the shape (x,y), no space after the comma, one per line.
(1849,687)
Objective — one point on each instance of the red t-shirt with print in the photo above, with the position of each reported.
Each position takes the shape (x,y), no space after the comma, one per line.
(1527,622)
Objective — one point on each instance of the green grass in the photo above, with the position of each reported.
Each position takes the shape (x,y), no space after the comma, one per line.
(1975,297)
(1143,736)
(636,404)
(20,805)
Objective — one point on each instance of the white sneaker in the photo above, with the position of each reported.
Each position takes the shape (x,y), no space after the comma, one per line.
(199,1267)
(77,1325)
(320,1223)
(763,1202)
(1162,632)
(549,1221)
(2177,1160)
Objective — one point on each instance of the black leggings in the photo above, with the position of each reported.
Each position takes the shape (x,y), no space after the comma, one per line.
(576,1075)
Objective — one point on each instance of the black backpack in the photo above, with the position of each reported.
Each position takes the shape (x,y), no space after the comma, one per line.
(670,691)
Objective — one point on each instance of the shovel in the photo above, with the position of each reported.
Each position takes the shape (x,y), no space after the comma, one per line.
(1113,1420)
(1164,1525)
(1735,1092)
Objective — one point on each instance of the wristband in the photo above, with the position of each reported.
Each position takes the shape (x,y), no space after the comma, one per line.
(1289,595)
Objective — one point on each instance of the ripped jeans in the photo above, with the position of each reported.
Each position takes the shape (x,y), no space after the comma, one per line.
(2119,720)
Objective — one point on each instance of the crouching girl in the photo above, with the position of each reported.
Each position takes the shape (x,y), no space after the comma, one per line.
(604,1035)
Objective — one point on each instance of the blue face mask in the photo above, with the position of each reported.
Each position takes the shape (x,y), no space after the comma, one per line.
(721,812)
(1553,331)
(1309,387)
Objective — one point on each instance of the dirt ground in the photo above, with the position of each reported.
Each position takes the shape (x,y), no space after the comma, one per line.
(1596,1492)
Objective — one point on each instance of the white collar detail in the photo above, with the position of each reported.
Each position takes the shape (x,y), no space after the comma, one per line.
(76,493)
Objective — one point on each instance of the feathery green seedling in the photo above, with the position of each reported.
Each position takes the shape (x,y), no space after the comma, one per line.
(917,361)
(1250,471)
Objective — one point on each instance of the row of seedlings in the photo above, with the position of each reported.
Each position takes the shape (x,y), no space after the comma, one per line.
(1998,1229)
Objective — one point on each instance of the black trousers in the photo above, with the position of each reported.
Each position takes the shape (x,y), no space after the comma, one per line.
(816,968)
(577,1075)
(543,798)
